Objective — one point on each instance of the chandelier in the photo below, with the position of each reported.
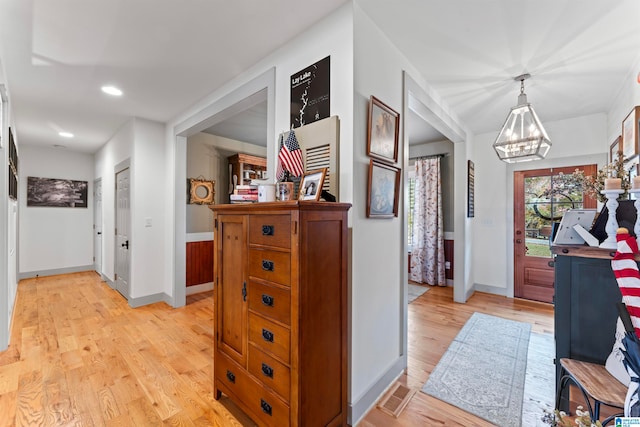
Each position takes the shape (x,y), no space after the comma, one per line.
(522,137)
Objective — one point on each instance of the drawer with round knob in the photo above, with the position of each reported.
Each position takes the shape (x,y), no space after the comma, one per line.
(273,266)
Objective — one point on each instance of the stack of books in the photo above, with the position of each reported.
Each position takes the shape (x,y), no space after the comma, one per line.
(244,194)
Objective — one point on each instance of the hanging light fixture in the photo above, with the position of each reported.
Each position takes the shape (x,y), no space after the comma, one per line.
(522,137)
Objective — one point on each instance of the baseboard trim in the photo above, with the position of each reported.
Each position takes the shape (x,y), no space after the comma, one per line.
(469,293)
(491,289)
(356,411)
(196,289)
(55,271)
(148,299)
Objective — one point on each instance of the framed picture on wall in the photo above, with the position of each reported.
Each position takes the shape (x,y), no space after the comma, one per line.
(614,149)
(382,132)
(54,192)
(384,187)
(471,184)
(630,133)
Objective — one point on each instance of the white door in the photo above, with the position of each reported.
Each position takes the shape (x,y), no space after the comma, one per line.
(122,232)
(97,226)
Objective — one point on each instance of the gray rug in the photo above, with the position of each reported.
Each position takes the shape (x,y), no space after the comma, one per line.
(415,291)
(539,388)
(483,370)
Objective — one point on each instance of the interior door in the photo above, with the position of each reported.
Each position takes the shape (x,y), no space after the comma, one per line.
(541,196)
(97,225)
(123,244)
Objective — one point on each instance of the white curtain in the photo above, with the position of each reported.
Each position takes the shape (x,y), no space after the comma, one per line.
(427,253)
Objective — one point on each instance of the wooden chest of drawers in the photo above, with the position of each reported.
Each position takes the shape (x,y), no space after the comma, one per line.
(280,297)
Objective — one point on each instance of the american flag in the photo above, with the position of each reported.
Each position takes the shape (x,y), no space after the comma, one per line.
(289,157)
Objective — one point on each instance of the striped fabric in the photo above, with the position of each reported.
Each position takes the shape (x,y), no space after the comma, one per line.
(625,269)
(290,157)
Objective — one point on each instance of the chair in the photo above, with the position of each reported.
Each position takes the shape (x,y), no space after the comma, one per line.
(595,383)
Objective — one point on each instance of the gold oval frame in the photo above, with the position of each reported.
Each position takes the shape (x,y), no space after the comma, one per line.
(209,186)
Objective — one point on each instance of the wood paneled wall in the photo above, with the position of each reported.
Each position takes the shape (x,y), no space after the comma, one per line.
(448,256)
(199,262)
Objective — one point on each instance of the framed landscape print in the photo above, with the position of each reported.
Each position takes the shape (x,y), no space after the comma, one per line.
(384,185)
(382,132)
(53,192)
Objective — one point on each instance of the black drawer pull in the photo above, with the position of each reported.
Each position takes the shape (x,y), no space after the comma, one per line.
(231,377)
(267,335)
(267,265)
(267,300)
(267,230)
(267,370)
(266,408)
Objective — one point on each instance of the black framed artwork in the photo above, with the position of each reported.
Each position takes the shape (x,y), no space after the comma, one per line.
(310,93)
(54,192)
(471,178)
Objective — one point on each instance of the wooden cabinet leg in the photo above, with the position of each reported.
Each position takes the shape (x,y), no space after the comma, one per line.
(217,394)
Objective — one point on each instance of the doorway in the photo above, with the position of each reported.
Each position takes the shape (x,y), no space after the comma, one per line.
(226,106)
(97,226)
(123,219)
(541,196)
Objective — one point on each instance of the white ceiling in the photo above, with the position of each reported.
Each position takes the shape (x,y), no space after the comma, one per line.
(167,55)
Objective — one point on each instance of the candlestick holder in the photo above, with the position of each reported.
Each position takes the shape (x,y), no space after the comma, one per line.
(636,203)
(612,222)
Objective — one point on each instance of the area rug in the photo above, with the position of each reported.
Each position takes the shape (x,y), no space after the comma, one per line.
(415,291)
(539,387)
(483,370)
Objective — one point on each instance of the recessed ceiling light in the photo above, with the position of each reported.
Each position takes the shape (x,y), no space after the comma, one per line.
(112,90)
(65,134)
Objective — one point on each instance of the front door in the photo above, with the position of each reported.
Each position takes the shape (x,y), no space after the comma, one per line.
(122,232)
(541,197)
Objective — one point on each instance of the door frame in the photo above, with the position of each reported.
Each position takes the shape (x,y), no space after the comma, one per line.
(520,255)
(599,159)
(225,106)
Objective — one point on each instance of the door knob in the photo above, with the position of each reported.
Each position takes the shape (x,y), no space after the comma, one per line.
(519,241)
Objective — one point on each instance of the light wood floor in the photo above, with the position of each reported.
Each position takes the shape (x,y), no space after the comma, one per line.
(434,321)
(80,356)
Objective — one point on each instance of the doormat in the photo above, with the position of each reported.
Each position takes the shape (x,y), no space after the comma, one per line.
(483,370)
(415,291)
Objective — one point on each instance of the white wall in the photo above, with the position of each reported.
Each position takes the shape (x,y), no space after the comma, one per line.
(379,315)
(141,143)
(628,97)
(54,239)
(147,194)
(580,140)
(8,225)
